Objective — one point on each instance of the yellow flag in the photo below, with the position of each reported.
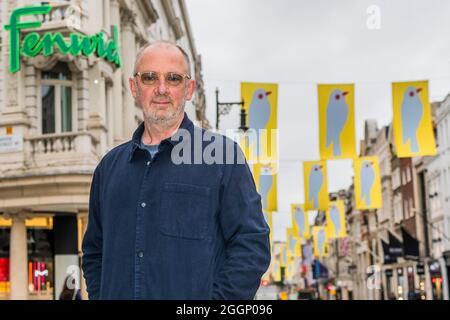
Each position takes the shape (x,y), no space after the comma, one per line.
(268,218)
(321,248)
(367,183)
(335,217)
(412,122)
(276,271)
(337,121)
(290,243)
(300,221)
(265,176)
(288,271)
(293,244)
(244,142)
(315,185)
(261,105)
(298,247)
(291,269)
(283,255)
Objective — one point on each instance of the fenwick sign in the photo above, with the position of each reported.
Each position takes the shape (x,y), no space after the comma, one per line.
(34,44)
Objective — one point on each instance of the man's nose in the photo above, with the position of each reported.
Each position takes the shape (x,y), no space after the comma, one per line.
(161,86)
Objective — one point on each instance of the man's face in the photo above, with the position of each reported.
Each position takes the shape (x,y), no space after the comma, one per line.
(161,102)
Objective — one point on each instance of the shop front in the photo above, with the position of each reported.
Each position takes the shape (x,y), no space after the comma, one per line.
(47,268)
(436,276)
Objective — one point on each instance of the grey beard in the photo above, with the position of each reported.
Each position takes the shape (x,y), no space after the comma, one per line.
(164,121)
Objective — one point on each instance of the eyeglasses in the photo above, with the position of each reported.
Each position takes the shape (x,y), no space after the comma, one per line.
(172,79)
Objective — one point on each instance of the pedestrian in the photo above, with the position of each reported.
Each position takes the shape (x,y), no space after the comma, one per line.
(163,225)
(392,296)
(69,290)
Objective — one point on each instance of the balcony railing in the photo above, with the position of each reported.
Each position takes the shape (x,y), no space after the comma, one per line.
(63,143)
(65,15)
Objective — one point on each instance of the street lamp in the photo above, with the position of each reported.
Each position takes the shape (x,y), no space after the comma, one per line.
(223,108)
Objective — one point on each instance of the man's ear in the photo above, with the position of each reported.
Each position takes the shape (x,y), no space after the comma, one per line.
(192,85)
(133,88)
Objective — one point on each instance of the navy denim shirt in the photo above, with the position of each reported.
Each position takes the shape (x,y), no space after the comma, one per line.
(161,230)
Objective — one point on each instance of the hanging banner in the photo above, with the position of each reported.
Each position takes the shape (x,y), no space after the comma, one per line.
(300,221)
(293,244)
(283,255)
(412,121)
(276,271)
(335,217)
(261,106)
(289,270)
(320,237)
(315,185)
(266,183)
(367,183)
(337,121)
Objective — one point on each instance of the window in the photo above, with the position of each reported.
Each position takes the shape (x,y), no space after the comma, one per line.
(408,174)
(411,207)
(434,198)
(437,238)
(396,178)
(398,214)
(57,112)
(406,208)
(106,15)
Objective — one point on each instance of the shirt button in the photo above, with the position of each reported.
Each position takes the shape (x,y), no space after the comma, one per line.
(148,163)
(140,254)
(143,204)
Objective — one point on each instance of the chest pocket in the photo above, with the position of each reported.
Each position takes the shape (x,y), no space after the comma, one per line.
(185,210)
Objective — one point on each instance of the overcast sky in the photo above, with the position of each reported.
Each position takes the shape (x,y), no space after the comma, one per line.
(299,44)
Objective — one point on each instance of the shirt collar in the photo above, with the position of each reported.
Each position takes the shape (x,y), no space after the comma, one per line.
(186,124)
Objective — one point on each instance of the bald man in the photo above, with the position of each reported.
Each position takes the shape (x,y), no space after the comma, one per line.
(162,224)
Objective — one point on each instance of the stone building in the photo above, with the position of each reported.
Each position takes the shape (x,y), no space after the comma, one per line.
(60,112)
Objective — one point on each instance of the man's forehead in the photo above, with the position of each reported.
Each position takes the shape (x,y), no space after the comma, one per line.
(162,51)
(162,46)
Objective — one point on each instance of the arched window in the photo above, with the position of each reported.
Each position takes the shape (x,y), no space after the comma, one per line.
(57,111)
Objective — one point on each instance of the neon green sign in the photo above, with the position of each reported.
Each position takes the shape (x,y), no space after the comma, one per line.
(34,44)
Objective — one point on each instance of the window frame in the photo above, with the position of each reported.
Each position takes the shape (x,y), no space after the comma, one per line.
(57,84)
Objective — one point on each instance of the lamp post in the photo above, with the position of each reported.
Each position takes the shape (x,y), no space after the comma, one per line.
(223,108)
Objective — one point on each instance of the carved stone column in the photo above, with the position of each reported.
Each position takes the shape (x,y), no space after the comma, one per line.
(18,255)
(127,18)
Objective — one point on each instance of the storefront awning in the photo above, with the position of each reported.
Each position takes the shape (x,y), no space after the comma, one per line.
(387,257)
(410,246)
(319,270)
(395,246)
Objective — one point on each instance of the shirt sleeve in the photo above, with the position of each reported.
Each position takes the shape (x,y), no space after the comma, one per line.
(92,242)
(247,248)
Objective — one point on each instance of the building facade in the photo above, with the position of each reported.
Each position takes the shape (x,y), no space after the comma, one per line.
(433,175)
(59,114)
(387,248)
